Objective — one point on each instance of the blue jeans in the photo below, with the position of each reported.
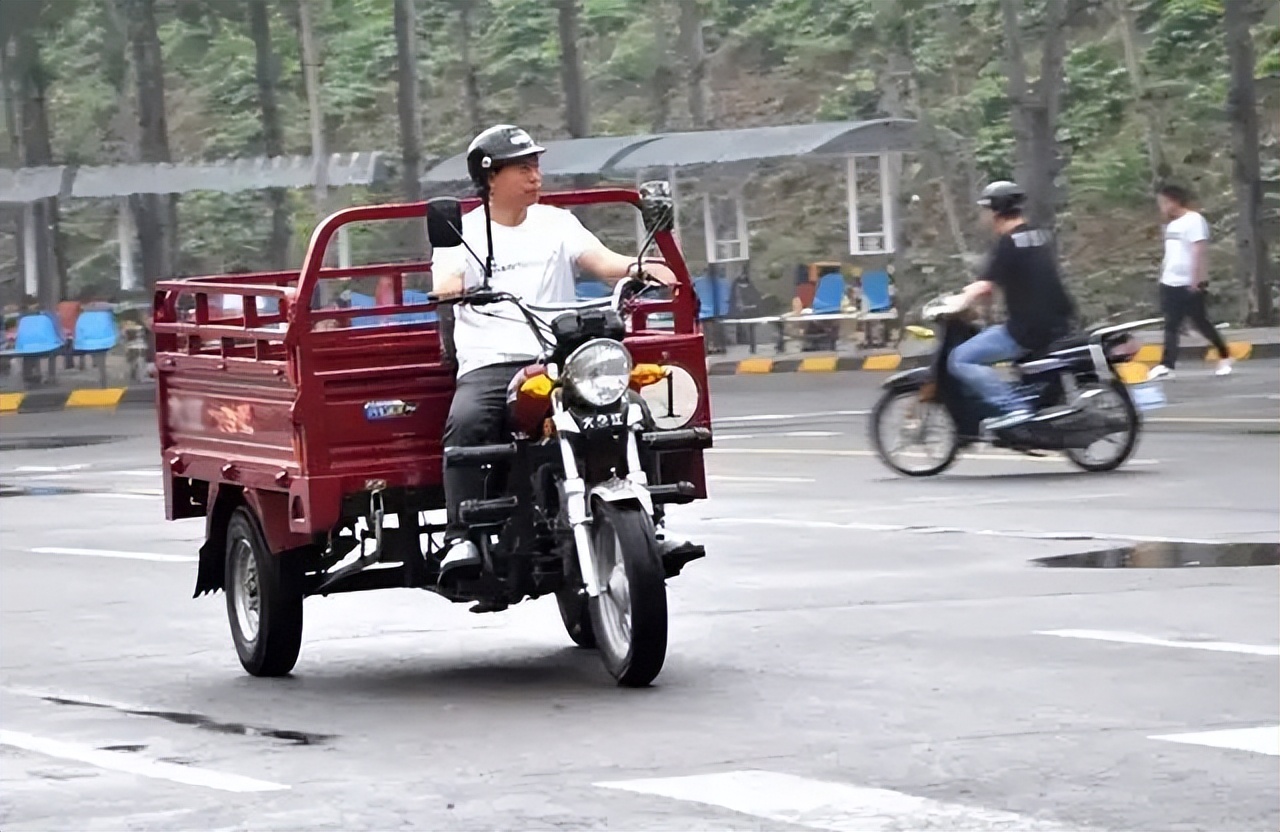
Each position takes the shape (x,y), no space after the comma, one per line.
(970,363)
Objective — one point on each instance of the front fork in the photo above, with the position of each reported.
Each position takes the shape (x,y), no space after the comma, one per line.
(573,493)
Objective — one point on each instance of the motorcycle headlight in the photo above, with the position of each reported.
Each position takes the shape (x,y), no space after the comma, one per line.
(599,372)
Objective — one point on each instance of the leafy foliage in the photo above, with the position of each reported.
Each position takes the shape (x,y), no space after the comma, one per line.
(771,61)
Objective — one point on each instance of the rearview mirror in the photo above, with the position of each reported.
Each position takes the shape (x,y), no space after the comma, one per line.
(444,222)
(657,208)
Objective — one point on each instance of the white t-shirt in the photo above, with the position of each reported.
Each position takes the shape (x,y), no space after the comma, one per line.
(533,261)
(1179,236)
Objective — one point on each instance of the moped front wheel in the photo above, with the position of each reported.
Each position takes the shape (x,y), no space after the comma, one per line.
(575,612)
(912,435)
(629,616)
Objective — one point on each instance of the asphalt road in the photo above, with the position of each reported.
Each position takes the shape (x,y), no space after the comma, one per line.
(857,652)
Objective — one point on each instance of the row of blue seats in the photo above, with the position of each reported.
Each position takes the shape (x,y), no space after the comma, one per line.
(39,334)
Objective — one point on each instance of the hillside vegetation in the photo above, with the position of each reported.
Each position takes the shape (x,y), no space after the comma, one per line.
(1143,95)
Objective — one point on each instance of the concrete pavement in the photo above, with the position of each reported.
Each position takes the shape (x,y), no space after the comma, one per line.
(857,651)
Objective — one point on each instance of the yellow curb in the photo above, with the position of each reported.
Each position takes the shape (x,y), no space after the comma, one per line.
(1149,354)
(10,402)
(819,364)
(755,365)
(882,362)
(1132,372)
(109,397)
(1238,350)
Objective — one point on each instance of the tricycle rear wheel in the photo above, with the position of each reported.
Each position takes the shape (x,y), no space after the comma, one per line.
(264,599)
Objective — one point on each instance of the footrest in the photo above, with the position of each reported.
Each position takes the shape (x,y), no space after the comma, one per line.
(675,559)
(684,439)
(678,493)
(478,455)
(488,512)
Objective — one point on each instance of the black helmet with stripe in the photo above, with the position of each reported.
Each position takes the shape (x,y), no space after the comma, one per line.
(1003,197)
(491,149)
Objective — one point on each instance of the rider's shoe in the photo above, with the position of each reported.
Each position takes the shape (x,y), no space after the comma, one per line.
(1009,420)
(1160,372)
(461,562)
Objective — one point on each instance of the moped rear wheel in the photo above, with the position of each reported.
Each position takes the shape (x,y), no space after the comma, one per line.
(629,616)
(1114,404)
(913,436)
(264,599)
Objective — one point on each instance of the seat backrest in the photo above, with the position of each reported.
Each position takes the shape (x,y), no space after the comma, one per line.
(37,333)
(829,294)
(713,297)
(362,301)
(875,291)
(95,330)
(592,290)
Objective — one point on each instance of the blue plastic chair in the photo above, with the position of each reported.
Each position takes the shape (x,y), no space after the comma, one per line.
(95,331)
(362,301)
(592,290)
(875,288)
(416,297)
(713,299)
(829,294)
(37,335)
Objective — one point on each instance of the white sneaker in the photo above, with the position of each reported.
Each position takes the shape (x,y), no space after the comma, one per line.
(1160,371)
(1224,367)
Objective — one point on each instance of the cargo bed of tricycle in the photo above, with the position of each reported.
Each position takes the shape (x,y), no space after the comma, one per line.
(300,408)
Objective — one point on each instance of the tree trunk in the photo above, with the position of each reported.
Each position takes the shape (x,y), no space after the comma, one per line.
(272,133)
(311,68)
(470,76)
(663,76)
(695,55)
(407,98)
(1035,109)
(577,115)
(157,214)
(1242,110)
(36,150)
(1129,37)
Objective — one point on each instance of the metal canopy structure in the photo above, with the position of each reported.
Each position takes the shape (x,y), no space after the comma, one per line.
(867,146)
(627,155)
(26,185)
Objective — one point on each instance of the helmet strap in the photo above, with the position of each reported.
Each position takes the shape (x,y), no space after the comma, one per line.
(488,230)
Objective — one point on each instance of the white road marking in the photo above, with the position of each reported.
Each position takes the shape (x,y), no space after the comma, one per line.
(811,434)
(141,472)
(1011,457)
(1138,638)
(726,478)
(133,764)
(1263,740)
(729,437)
(817,804)
(126,495)
(1214,420)
(110,553)
(44,469)
(787,417)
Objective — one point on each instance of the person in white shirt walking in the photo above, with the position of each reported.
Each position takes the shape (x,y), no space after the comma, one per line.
(1183,278)
(535,251)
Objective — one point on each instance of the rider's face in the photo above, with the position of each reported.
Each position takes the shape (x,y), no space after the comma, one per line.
(517,183)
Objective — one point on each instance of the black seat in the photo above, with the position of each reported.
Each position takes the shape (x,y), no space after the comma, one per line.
(1069,342)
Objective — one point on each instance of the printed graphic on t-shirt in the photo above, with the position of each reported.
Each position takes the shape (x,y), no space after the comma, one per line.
(533,261)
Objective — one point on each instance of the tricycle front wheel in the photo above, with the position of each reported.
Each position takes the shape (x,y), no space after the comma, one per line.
(264,599)
(629,616)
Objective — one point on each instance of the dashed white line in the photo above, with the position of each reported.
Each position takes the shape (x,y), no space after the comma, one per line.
(111,553)
(818,804)
(727,478)
(1262,740)
(787,417)
(133,764)
(1138,638)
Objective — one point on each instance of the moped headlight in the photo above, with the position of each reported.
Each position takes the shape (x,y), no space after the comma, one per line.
(599,371)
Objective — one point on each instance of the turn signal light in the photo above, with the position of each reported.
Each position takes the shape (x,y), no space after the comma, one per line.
(538,386)
(642,375)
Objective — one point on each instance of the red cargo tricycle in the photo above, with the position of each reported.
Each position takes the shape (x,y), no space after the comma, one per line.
(308,434)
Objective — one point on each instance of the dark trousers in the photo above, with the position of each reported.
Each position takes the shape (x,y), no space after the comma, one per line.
(1179,303)
(477,416)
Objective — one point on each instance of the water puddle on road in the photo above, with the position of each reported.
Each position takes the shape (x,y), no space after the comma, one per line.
(52,443)
(36,490)
(203,722)
(1170,555)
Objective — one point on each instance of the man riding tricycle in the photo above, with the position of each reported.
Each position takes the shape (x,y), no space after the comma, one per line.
(317,451)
